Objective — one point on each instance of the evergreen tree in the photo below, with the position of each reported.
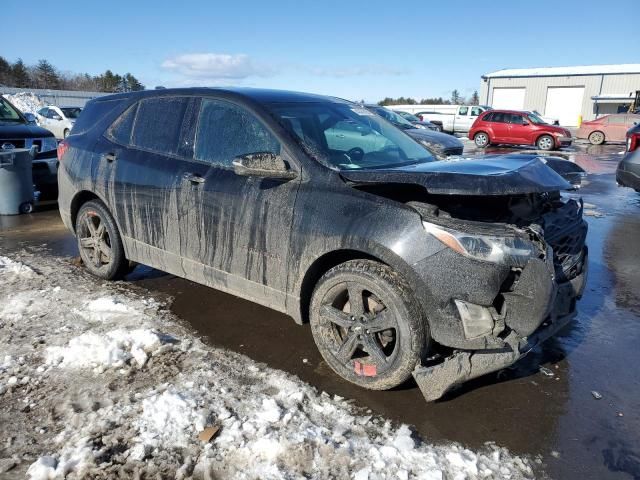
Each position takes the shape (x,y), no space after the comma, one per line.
(46,75)
(455,97)
(20,74)
(6,73)
(475,98)
(133,84)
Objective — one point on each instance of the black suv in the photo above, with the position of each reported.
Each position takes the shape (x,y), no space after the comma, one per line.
(319,208)
(17,132)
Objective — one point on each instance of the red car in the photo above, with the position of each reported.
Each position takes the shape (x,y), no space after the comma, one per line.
(609,128)
(514,127)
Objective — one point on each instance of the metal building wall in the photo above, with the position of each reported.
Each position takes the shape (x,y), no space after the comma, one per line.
(536,89)
(67,98)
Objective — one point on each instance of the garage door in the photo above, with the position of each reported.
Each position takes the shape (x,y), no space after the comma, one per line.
(508,98)
(565,104)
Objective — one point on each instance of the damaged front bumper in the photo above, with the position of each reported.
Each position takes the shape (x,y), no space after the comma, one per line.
(436,380)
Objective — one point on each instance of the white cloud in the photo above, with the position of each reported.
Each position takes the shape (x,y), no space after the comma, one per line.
(210,66)
(217,68)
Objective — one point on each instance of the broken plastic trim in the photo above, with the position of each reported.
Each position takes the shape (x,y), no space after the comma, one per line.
(512,251)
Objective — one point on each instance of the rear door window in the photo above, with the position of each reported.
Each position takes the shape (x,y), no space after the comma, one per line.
(463,110)
(226,131)
(159,124)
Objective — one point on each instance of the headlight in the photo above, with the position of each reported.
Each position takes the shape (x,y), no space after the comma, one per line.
(417,125)
(48,144)
(513,251)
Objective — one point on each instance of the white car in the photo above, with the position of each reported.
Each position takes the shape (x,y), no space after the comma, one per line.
(58,120)
(549,120)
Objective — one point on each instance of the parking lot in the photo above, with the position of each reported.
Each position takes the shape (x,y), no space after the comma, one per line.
(555,411)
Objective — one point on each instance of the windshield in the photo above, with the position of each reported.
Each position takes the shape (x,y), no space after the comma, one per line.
(8,114)
(409,116)
(536,119)
(392,117)
(348,136)
(71,112)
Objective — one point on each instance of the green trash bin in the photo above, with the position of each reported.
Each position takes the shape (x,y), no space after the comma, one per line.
(16,181)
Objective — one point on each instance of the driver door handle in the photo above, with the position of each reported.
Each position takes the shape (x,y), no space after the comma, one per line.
(109,157)
(194,178)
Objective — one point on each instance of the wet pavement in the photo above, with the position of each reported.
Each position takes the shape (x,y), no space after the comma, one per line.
(555,416)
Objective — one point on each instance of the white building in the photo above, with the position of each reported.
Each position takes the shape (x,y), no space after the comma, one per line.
(564,93)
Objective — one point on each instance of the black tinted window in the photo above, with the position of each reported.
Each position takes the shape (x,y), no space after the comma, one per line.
(516,118)
(121,129)
(93,112)
(158,124)
(226,131)
(500,117)
(488,117)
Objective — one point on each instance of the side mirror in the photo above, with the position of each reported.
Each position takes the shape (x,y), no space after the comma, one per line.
(262,164)
(525,123)
(31,118)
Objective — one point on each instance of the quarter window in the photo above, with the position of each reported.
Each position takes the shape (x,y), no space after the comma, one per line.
(226,131)
(120,131)
(158,124)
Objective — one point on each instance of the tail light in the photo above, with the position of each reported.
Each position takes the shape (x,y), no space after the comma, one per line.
(63,146)
(633,142)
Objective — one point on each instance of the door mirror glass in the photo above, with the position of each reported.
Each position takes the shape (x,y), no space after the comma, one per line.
(262,164)
(31,118)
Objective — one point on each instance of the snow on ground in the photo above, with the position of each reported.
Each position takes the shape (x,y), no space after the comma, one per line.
(26,102)
(98,380)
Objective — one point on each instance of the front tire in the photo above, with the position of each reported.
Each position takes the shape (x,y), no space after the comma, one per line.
(367,325)
(546,142)
(481,139)
(99,242)
(65,134)
(596,138)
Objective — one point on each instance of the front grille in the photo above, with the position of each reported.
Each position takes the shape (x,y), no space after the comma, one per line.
(17,143)
(566,231)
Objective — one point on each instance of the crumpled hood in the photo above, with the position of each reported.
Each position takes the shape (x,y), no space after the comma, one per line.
(489,175)
(444,140)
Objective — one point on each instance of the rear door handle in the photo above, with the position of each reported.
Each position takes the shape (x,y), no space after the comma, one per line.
(194,178)
(109,157)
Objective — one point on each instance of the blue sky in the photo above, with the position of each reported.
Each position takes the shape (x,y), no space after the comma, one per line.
(353,49)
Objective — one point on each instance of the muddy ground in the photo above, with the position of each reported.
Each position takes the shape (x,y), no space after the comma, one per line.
(522,408)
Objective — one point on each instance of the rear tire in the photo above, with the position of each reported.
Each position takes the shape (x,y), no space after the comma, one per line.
(546,142)
(367,325)
(99,242)
(596,138)
(481,139)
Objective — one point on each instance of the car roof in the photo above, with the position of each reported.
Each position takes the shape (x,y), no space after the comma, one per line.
(524,112)
(259,95)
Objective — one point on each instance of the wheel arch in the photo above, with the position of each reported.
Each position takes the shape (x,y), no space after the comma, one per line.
(84,196)
(77,201)
(332,258)
(544,134)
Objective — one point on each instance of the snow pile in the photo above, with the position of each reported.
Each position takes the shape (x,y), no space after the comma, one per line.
(84,414)
(26,102)
(113,349)
(9,267)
